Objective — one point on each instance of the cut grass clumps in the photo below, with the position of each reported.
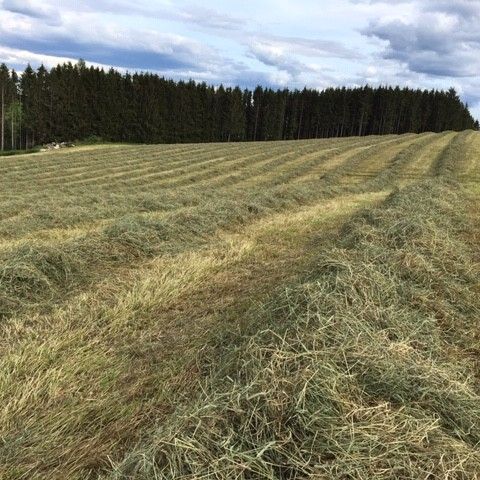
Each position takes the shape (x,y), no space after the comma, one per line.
(31,273)
(454,155)
(365,370)
(140,234)
(36,276)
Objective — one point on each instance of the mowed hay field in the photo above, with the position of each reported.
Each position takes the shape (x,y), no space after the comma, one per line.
(274,310)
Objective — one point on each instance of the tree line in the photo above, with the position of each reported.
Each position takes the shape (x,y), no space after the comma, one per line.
(75,102)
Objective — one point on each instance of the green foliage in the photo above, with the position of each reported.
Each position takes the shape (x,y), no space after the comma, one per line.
(92,140)
(76,102)
(9,153)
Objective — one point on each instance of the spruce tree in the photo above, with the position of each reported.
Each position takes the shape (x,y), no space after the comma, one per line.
(72,102)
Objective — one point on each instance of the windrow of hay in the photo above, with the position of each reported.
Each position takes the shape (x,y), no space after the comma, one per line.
(51,205)
(451,161)
(365,370)
(83,383)
(33,272)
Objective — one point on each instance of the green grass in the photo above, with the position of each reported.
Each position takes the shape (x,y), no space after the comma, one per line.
(10,153)
(265,310)
(366,369)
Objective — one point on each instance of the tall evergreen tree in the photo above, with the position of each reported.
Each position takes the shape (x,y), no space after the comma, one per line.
(76,102)
(4,84)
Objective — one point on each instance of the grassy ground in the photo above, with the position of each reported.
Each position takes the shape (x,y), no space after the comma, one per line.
(10,153)
(264,310)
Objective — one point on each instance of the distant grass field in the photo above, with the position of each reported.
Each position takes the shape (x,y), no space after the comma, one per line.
(272,310)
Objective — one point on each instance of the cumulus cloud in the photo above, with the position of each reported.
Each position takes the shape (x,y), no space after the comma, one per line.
(15,57)
(273,55)
(34,9)
(191,14)
(83,33)
(308,47)
(295,59)
(467,9)
(106,43)
(209,18)
(441,39)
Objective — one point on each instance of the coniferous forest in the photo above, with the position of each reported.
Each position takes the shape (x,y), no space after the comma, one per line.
(76,102)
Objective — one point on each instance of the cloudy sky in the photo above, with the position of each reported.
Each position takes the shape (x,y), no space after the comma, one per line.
(295,43)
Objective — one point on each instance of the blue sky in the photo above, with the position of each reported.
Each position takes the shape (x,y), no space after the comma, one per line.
(419,43)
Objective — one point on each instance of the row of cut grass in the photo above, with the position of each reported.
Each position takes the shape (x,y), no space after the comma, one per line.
(63,209)
(364,370)
(69,210)
(100,367)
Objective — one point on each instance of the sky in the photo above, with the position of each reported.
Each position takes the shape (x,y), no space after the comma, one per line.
(276,43)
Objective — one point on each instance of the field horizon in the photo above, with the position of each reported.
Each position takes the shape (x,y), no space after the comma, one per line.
(274,309)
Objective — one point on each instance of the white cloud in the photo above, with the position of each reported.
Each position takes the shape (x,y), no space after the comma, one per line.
(316,43)
(33,8)
(13,56)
